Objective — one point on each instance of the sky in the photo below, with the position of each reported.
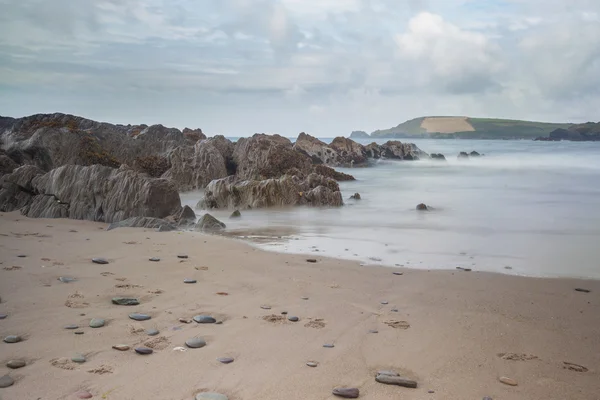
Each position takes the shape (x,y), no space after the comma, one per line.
(325,67)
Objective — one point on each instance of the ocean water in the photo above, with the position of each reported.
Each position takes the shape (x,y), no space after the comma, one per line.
(526,208)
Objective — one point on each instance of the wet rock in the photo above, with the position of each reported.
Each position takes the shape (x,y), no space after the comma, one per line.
(474,154)
(438,156)
(16,364)
(121,347)
(311,260)
(508,381)
(211,396)
(72,326)
(139,317)
(422,207)
(97,323)
(152,332)
(189,281)
(582,290)
(195,343)
(463,155)
(204,319)
(355,196)
(208,223)
(154,259)
(225,360)
(78,358)
(293,319)
(12,339)
(83,394)
(144,350)
(144,222)
(99,260)
(235,214)
(6,381)
(395,380)
(186,217)
(125,301)
(66,279)
(348,393)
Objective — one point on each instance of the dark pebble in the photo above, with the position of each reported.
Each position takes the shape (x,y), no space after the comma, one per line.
(78,332)
(21,256)
(373,331)
(195,343)
(464,269)
(6,381)
(348,393)
(225,360)
(99,260)
(66,279)
(139,317)
(430,391)
(15,364)
(189,281)
(293,319)
(72,326)
(3,316)
(125,301)
(284,313)
(398,273)
(394,310)
(311,260)
(304,298)
(328,345)
(182,256)
(143,350)
(204,319)
(582,290)
(155,259)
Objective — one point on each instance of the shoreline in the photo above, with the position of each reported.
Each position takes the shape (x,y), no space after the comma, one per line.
(459,321)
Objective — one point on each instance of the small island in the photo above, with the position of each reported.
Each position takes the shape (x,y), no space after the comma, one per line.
(359,135)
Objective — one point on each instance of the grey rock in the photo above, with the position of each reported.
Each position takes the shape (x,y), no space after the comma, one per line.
(22,256)
(15,364)
(3,316)
(152,332)
(182,256)
(398,273)
(204,319)
(235,214)
(225,360)
(355,196)
(265,307)
(373,331)
(72,326)
(293,319)
(97,323)
(211,396)
(395,380)
(582,290)
(208,223)
(329,345)
(186,217)
(143,222)
(195,343)
(422,207)
(79,332)
(154,259)
(99,260)
(387,372)
(12,339)
(6,381)
(125,301)
(312,364)
(311,260)
(78,358)
(384,302)
(143,350)
(66,279)
(348,393)
(284,313)
(139,317)
(189,281)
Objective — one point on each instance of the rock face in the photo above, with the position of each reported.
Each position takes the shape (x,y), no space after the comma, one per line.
(586,132)
(194,167)
(332,173)
(208,223)
(350,153)
(395,150)
(342,152)
(315,190)
(263,157)
(94,193)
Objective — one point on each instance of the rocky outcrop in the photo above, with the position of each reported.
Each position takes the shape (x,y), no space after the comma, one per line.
(438,156)
(463,155)
(349,153)
(342,152)
(395,150)
(586,132)
(332,173)
(185,217)
(268,156)
(194,167)
(16,190)
(359,135)
(314,190)
(208,223)
(144,222)
(355,196)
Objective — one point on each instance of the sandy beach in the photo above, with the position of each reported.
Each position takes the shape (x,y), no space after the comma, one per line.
(456,333)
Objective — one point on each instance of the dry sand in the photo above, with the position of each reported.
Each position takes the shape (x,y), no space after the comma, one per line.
(459,322)
(446,124)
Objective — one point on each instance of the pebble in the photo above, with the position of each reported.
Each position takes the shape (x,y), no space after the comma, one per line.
(14,364)
(155,259)
(373,331)
(72,326)
(582,290)
(431,391)
(265,307)
(394,310)
(225,360)
(189,281)
(293,319)
(508,381)
(204,319)
(312,364)
(21,256)
(139,317)
(185,320)
(195,343)
(311,260)
(143,350)
(83,394)
(3,316)
(125,301)
(66,279)
(78,332)
(384,302)
(396,380)
(211,396)
(78,358)
(99,260)
(329,345)
(96,323)
(6,381)
(398,273)
(121,347)
(304,298)
(284,313)
(182,256)
(348,393)
(152,332)
(12,339)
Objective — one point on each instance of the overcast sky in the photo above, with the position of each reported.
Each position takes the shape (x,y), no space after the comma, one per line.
(327,67)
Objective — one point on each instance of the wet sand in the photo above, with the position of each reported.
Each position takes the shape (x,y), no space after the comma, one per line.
(447,334)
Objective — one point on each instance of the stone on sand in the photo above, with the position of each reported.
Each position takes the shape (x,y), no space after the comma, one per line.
(15,364)
(97,323)
(83,394)
(143,350)
(154,259)
(139,317)
(121,347)
(225,360)
(312,364)
(125,301)
(12,339)
(395,380)
(152,332)
(293,318)
(3,316)
(189,281)
(78,358)
(6,381)
(508,381)
(204,319)
(99,260)
(348,393)
(195,343)
(66,279)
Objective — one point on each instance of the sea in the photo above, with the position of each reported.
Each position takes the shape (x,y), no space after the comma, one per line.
(524,208)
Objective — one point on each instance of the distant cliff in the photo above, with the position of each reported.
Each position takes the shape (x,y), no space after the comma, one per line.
(454,127)
(359,135)
(587,132)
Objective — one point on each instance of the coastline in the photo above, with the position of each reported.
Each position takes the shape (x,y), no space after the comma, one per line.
(459,321)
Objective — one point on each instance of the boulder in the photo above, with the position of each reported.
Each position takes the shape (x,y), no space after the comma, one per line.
(438,156)
(268,156)
(349,153)
(355,196)
(463,155)
(397,150)
(7,164)
(314,190)
(474,154)
(186,216)
(422,207)
(208,223)
(235,214)
(143,222)
(194,167)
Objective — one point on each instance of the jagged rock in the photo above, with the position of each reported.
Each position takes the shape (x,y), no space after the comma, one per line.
(318,151)
(268,156)
(208,223)
(99,193)
(474,154)
(315,190)
(438,156)
(355,196)
(463,155)
(397,150)
(7,164)
(194,167)
(332,173)
(16,191)
(187,216)
(235,214)
(153,165)
(422,207)
(193,134)
(350,153)
(143,222)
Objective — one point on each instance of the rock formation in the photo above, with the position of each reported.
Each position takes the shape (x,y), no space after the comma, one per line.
(143,222)
(350,153)
(208,223)
(342,152)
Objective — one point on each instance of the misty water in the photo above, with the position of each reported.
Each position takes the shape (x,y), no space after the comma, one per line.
(527,208)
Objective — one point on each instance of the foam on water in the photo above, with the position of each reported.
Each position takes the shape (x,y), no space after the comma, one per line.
(531,206)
